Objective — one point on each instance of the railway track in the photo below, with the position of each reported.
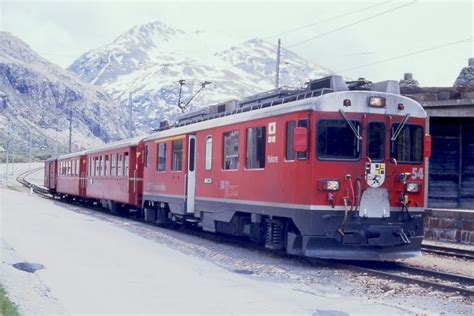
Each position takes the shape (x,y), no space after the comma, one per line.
(443,281)
(446,251)
(463,285)
(21,178)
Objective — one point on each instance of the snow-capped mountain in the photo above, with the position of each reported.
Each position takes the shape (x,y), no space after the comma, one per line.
(148,60)
(37,96)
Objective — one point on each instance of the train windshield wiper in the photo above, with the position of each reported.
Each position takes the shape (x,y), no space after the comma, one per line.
(400,127)
(351,125)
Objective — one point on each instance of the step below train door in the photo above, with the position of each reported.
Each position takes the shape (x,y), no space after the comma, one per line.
(191,175)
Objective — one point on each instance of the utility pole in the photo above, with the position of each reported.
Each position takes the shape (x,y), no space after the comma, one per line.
(181,83)
(30,149)
(57,138)
(277,75)
(7,153)
(100,118)
(13,155)
(70,129)
(130,114)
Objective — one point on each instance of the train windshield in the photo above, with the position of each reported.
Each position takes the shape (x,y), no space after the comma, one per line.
(336,140)
(408,146)
(376,141)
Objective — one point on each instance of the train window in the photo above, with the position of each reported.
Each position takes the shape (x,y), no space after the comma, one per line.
(90,166)
(192,153)
(125,164)
(146,156)
(97,166)
(208,161)
(113,165)
(408,146)
(256,138)
(290,153)
(177,155)
(101,165)
(120,165)
(106,165)
(336,140)
(78,167)
(376,141)
(231,150)
(303,123)
(161,162)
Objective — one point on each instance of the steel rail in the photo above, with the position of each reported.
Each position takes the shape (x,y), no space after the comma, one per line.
(430,278)
(21,178)
(447,251)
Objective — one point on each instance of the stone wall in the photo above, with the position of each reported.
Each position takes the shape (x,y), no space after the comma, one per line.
(449,226)
(433,94)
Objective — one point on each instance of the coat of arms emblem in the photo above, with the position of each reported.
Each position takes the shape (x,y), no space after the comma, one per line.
(375,174)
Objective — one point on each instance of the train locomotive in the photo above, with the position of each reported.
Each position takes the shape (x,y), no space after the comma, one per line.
(333,170)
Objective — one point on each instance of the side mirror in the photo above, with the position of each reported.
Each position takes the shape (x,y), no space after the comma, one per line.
(427,146)
(300,139)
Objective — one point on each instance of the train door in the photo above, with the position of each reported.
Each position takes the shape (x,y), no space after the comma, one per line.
(52,174)
(82,173)
(47,175)
(191,174)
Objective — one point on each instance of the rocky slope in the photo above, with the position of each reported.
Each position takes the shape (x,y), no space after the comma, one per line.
(148,60)
(37,96)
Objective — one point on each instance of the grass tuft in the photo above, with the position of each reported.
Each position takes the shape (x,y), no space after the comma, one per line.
(7,308)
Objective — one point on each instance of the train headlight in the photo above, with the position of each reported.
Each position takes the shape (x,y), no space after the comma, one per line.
(377,102)
(330,185)
(412,187)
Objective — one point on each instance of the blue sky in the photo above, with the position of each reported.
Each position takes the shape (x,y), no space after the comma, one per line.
(62,30)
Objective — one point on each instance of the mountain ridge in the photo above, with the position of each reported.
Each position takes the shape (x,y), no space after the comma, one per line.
(37,96)
(148,60)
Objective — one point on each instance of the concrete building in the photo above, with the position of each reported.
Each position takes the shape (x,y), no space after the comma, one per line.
(451,112)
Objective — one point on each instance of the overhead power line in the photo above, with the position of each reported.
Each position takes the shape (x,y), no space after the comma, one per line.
(466,40)
(353,23)
(326,20)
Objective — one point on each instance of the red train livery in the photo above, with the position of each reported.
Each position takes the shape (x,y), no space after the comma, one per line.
(333,170)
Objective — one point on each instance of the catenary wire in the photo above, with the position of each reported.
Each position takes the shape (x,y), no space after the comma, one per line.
(352,24)
(466,40)
(325,20)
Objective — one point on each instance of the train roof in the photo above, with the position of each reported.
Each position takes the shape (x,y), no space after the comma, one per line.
(114,145)
(327,95)
(72,155)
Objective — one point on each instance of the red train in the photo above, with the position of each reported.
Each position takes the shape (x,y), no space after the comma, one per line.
(334,170)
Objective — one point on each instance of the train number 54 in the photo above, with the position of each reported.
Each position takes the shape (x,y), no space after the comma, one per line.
(417,173)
